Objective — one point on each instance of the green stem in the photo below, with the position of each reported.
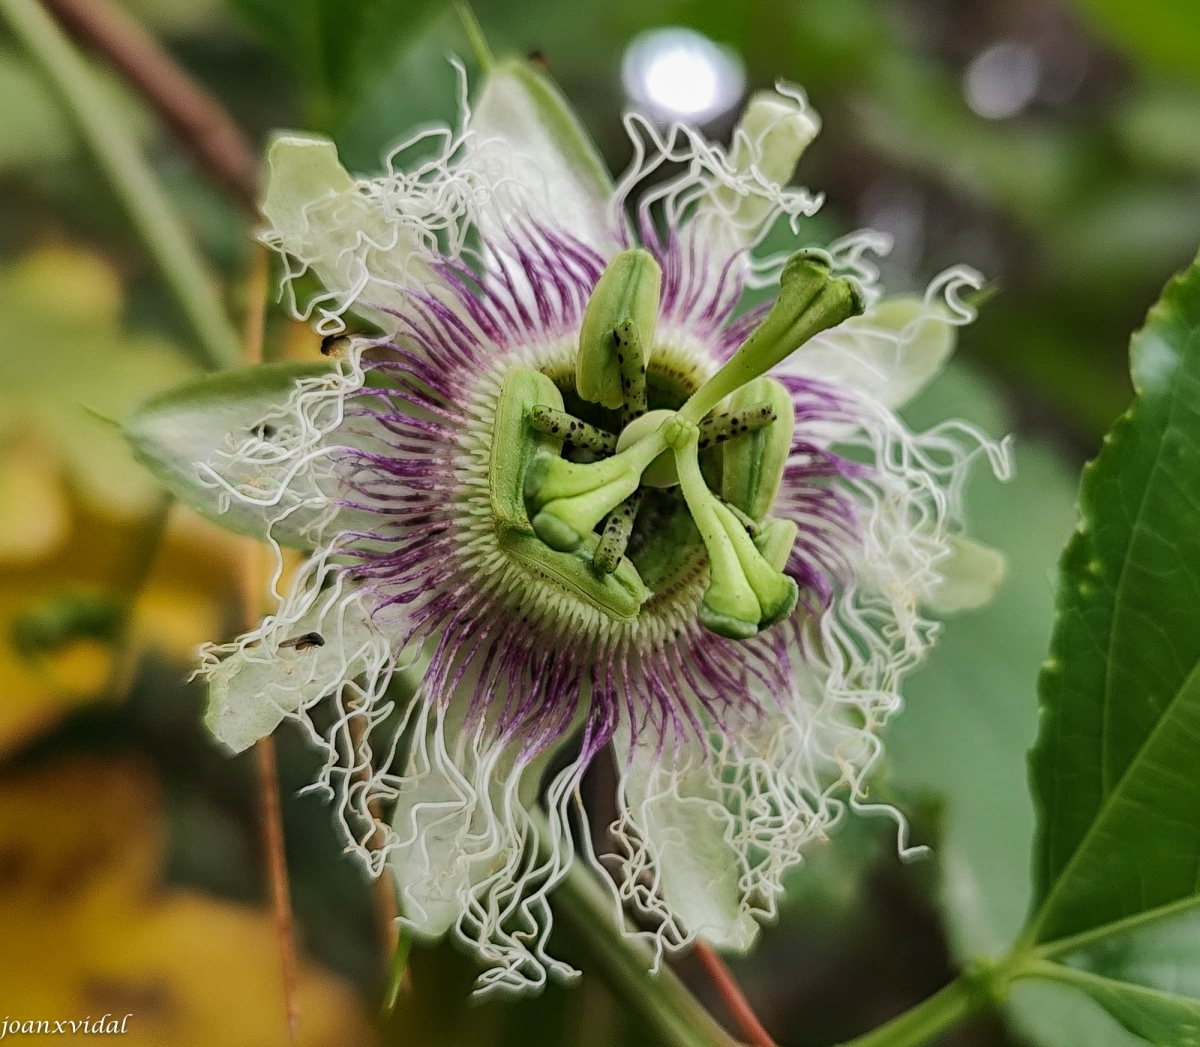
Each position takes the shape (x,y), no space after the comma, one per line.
(130,176)
(479,44)
(659,1000)
(925,1021)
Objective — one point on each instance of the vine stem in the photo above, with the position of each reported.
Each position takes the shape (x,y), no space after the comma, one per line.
(199,121)
(129,175)
(926,1020)
(731,993)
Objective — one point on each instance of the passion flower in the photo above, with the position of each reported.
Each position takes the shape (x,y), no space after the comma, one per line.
(590,507)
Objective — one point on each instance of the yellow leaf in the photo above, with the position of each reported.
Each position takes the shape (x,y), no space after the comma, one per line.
(86,929)
(183,603)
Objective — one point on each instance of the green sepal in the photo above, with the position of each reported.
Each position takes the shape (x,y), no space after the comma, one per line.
(626,292)
(172,432)
(754,462)
(618,595)
(517,445)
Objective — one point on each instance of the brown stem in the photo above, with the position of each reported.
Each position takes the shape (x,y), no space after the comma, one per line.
(202,124)
(281,897)
(731,994)
(251,583)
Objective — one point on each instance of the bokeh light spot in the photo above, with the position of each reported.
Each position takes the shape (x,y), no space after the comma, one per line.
(678,74)
(1002,80)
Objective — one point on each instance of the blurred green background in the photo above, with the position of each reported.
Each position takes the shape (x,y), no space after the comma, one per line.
(1055,147)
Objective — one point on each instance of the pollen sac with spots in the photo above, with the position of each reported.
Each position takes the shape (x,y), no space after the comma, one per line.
(620,318)
(753,461)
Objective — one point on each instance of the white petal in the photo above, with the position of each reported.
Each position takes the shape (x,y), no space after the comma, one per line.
(362,244)
(685,827)
(774,132)
(532,149)
(265,679)
(890,353)
(460,819)
(971,576)
(432,869)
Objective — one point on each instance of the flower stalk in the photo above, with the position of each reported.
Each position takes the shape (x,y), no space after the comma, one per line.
(659,1000)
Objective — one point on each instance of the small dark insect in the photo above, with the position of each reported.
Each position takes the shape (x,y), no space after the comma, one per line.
(331,344)
(538,57)
(264,430)
(303,643)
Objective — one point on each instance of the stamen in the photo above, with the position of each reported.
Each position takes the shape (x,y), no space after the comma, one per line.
(567,427)
(718,428)
(617,529)
(753,465)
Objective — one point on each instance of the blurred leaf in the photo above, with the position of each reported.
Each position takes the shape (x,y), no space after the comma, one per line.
(1111,773)
(1108,242)
(176,16)
(922,124)
(1162,34)
(34,133)
(85,929)
(971,712)
(339,49)
(180,606)
(1159,126)
(63,352)
(33,129)
(33,505)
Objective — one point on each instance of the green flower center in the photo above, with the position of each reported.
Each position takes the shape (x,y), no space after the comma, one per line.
(624,479)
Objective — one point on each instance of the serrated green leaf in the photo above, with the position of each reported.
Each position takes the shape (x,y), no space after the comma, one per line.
(174,432)
(1113,770)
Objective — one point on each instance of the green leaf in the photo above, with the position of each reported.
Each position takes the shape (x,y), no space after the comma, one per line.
(176,431)
(339,49)
(1163,1018)
(1112,772)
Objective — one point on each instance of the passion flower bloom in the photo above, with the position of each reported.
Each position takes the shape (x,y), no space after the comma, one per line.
(588,505)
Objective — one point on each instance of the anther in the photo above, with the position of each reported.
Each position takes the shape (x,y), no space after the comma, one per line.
(631,358)
(718,428)
(566,427)
(615,536)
